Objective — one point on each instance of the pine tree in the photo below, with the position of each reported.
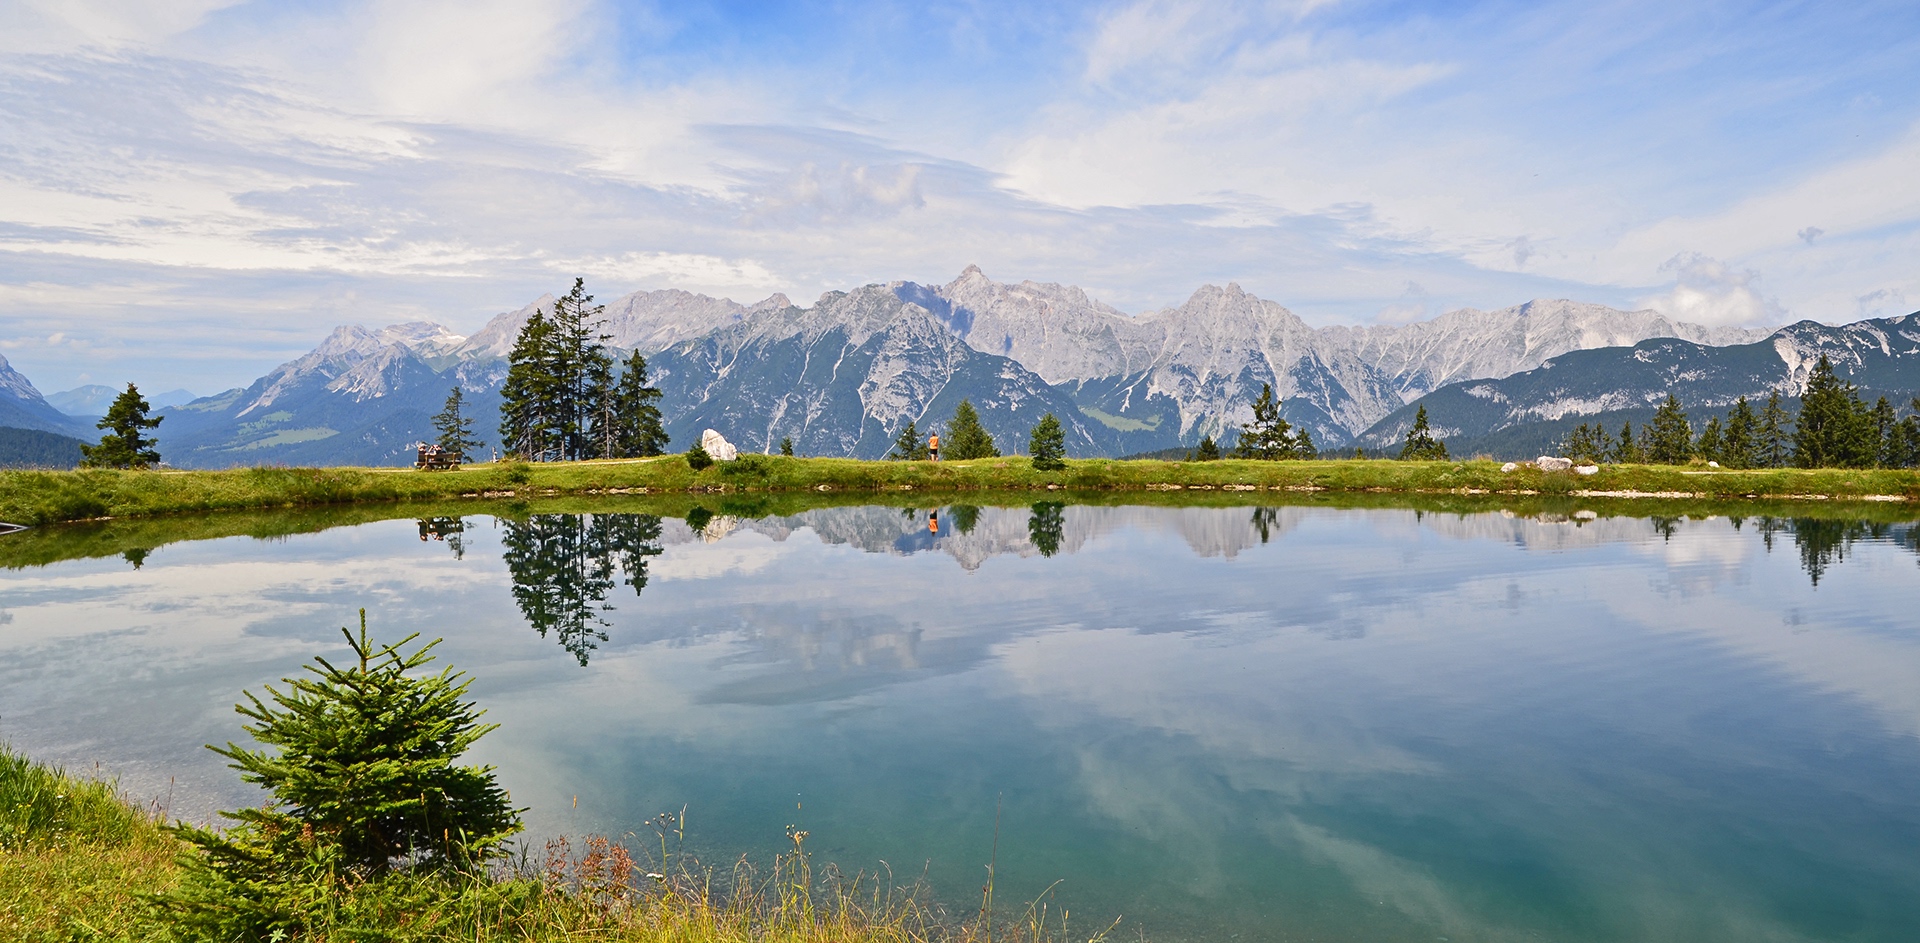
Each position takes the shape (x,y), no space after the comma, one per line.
(1625,450)
(455,428)
(1835,429)
(528,395)
(966,438)
(640,432)
(1772,443)
(1670,439)
(1738,447)
(1208,450)
(1906,452)
(1268,437)
(1886,435)
(698,458)
(124,445)
(1588,443)
(1048,445)
(1710,445)
(908,447)
(1421,446)
(364,780)
(786,446)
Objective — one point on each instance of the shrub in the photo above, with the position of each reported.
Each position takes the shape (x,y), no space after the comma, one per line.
(698,459)
(364,785)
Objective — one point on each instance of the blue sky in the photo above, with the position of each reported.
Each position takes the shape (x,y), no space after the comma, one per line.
(192,192)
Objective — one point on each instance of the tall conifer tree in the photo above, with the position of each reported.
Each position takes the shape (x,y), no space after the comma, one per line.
(1737,446)
(1773,444)
(1670,439)
(125,445)
(1268,437)
(454,426)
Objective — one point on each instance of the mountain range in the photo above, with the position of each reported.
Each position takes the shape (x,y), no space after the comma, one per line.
(843,375)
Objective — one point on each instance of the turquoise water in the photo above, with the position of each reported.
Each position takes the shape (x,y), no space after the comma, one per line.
(1260,724)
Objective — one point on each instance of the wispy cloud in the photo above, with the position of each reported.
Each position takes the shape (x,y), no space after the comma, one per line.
(225,177)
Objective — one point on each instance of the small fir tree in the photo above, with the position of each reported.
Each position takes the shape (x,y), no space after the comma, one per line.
(1773,443)
(966,438)
(1048,445)
(1737,447)
(698,459)
(365,781)
(786,446)
(125,445)
(1625,450)
(1268,437)
(1886,434)
(1670,438)
(1710,445)
(1303,447)
(1588,443)
(909,447)
(1421,445)
(1207,451)
(455,428)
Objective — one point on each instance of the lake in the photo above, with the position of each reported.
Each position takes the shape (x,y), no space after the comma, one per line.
(1275,723)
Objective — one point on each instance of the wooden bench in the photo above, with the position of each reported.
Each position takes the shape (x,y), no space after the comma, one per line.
(437,461)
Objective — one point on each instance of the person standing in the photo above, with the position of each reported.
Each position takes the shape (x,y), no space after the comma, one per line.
(933,446)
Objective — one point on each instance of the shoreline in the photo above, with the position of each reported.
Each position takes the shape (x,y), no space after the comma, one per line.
(41,498)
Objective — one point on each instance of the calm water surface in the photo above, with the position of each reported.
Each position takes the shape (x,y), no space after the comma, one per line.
(1261,724)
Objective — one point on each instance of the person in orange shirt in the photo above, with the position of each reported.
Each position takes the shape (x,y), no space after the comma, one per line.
(933,446)
(933,522)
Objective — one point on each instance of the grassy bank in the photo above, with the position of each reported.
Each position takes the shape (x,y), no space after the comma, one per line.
(78,863)
(53,497)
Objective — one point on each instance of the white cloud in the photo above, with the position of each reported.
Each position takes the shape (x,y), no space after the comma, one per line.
(1708,291)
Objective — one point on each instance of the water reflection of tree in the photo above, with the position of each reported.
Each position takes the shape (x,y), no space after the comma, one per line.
(563,565)
(965,517)
(1823,543)
(1266,519)
(1045,525)
(448,529)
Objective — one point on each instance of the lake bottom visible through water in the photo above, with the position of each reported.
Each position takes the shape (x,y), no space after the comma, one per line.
(1259,723)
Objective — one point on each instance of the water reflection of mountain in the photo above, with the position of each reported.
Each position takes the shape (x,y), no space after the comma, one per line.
(972,535)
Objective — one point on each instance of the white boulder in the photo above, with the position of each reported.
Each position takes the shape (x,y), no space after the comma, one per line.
(718,446)
(1586,469)
(1549,463)
(1713,464)
(1508,467)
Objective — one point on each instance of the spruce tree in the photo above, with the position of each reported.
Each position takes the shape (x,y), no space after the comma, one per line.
(640,432)
(908,447)
(1625,450)
(124,445)
(1421,446)
(786,446)
(528,395)
(1886,434)
(1208,450)
(1268,437)
(1048,445)
(1772,445)
(1588,443)
(1710,445)
(1670,439)
(1738,446)
(966,438)
(364,781)
(698,458)
(1835,429)
(455,428)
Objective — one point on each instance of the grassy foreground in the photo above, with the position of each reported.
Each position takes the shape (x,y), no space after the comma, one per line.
(38,497)
(78,863)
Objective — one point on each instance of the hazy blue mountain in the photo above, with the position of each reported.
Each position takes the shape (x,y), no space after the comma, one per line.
(1522,415)
(90,402)
(22,407)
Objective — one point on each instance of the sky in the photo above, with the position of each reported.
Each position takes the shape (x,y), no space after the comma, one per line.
(192,191)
